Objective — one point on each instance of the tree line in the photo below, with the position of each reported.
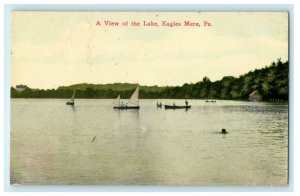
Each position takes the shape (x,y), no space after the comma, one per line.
(271,82)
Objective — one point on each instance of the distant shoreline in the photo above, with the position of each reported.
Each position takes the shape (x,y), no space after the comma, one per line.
(269,84)
(160,99)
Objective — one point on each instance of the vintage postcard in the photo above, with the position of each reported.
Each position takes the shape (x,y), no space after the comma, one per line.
(149,98)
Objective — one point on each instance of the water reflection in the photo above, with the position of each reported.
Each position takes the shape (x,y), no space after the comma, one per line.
(72,107)
(150,145)
(130,114)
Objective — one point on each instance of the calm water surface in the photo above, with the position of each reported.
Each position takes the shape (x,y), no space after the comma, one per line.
(52,143)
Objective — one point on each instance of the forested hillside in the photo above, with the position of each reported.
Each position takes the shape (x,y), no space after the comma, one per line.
(271,82)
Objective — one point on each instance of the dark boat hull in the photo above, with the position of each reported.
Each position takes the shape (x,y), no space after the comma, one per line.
(177,107)
(126,107)
(70,103)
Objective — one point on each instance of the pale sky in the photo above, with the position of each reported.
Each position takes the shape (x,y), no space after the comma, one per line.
(51,49)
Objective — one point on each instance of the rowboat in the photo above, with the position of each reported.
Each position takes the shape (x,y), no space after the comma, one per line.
(177,107)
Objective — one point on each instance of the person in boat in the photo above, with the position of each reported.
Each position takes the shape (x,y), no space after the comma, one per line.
(158,104)
(186,103)
(173,103)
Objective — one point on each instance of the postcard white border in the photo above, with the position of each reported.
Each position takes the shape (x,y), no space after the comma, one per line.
(146,7)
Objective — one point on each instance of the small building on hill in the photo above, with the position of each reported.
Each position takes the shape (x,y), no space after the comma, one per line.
(255,96)
(21,87)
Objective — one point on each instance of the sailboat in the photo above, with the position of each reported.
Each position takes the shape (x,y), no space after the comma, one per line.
(133,102)
(71,101)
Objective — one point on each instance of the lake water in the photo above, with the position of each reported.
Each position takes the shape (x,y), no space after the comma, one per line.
(52,143)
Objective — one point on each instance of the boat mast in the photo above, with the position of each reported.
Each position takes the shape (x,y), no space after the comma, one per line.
(117,101)
(73,96)
(134,99)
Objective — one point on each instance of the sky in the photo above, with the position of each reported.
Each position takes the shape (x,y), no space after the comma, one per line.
(52,49)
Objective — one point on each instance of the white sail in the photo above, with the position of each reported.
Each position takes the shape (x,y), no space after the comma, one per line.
(117,101)
(134,99)
(73,96)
